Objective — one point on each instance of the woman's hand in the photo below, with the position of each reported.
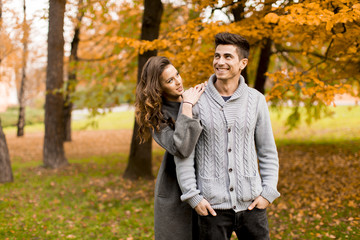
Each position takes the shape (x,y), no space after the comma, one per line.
(192,95)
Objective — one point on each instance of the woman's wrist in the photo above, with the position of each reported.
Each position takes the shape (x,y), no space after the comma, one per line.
(187,109)
(189,103)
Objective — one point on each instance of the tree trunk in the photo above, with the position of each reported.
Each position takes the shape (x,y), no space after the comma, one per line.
(265,54)
(21,119)
(263,66)
(140,163)
(238,13)
(72,81)
(5,164)
(54,155)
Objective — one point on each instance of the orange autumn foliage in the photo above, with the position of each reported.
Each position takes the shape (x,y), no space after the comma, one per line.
(314,53)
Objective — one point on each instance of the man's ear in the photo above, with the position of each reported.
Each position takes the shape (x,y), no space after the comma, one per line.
(243,63)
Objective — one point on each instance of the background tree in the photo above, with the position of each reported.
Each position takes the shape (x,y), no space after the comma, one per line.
(238,11)
(310,43)
(21,119)
(298,49)
(54,155)
(72,72)
(7,46)
(318,44)
(139,164)
(106,70)
(5,165)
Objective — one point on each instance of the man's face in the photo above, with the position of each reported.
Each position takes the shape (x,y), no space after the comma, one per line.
(227,64)
(171,84)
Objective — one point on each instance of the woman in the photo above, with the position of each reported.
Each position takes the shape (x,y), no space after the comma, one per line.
(159,96)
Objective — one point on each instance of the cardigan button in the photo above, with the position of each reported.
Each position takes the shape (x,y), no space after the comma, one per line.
(230,169)
(231,189)
(234,207)
(229,130)
(229,150)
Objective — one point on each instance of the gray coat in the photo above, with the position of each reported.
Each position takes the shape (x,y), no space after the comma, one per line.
(173,218)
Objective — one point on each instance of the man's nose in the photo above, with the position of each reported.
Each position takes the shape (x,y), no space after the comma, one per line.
(220,61)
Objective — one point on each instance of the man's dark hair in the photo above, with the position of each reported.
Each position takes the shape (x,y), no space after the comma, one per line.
(241,44)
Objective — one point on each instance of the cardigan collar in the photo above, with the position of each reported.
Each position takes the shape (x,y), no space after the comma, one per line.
(213,92)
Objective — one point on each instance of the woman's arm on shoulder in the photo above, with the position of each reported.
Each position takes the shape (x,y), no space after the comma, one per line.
(180,141)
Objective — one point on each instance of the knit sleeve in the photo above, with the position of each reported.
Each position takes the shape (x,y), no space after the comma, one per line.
(181,141)
(185,172)
(266,151)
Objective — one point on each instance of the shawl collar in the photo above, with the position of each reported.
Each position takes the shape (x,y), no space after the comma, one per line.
(214,94)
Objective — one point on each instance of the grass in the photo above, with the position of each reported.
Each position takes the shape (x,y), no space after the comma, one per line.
(86,200)
(89,199)
(342,126)
(32,116)
(110,121)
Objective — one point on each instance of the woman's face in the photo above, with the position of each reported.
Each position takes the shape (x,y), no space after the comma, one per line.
(171,84)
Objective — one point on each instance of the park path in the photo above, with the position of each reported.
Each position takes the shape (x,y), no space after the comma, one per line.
(85,144)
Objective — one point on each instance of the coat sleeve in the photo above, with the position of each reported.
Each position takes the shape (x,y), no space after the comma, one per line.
(185,172)
(181,141)
(267,153)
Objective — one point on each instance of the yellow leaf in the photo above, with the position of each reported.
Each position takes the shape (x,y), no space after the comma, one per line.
(352,49)
(272,18)
(352,204)
(329,25)
(356,6)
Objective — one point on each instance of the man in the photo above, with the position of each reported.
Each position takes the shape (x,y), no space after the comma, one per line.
(226,188)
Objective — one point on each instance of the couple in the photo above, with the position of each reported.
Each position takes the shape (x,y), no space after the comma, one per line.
(220,170)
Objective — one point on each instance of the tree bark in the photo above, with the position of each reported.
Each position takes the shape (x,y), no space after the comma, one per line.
(6,174)
(54,155)
(263,66)
(5,164)
(140,162)
(238,13)
(265,54)
(72,80)
(21,119)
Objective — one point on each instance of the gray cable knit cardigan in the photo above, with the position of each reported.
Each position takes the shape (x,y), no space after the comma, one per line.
(172,217)
(236,141)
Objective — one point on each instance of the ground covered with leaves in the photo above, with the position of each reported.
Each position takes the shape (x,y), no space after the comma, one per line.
(89,199)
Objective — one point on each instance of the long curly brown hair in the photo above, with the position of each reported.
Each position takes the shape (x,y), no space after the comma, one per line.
(148,101)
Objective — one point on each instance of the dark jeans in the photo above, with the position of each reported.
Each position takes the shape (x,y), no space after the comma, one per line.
(246,224)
